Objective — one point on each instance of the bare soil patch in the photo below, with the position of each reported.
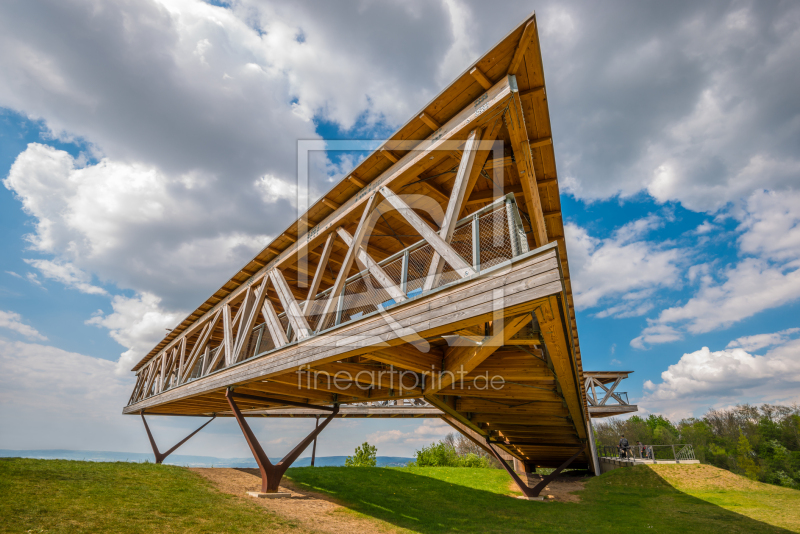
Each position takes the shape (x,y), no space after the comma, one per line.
(561,489)
(310,510)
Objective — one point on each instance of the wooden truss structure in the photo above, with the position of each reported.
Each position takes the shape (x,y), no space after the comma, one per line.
(435,270)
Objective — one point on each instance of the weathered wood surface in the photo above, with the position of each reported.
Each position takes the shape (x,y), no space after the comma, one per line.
(531,277)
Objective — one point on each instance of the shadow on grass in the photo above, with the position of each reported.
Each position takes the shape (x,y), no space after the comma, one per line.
(429,500)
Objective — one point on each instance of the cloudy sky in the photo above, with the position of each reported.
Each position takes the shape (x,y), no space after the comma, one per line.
(148,148)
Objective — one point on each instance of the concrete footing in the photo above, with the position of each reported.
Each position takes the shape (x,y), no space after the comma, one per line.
(277,495)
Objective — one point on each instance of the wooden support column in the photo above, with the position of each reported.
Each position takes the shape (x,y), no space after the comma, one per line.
(274,327)
(437,243)
(293,312)
(454,206)
(553,332)
(200,344)
(363,227)
(527,175)
(322,264)
(375,270)
(249,320)
(460,361)
(486,147)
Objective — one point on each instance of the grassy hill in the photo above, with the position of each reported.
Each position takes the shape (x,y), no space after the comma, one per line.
(70,496)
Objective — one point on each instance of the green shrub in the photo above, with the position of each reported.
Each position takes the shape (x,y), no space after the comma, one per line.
(365,456)
(443,454)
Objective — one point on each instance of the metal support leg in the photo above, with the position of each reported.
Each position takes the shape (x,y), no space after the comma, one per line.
(271,474)
(159,455)
(314,446)
(534,491)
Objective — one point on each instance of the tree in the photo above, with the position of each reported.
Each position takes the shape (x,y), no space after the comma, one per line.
(744,458)
(365,456)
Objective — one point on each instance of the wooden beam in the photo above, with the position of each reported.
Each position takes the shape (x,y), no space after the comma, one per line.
(500,162)
(248,322)
(293,312)
(411,164)
(356,181)
(377,376)
(528,35)
(427,119)
(322,264)
(486,149)
(552,329)
(408,357)
(542,141)
(488,195)
(428,234)
(388,155)
(481,78)
(527,174)
(460,361)
(274,326)
(352,252)
(454,206)
(532,91)
(375,270)
(331,204)
(227,332)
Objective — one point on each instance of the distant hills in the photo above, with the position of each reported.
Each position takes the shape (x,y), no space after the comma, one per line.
(185,460)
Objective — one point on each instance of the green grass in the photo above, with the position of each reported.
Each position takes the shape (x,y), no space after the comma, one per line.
(429,500)
(69,496)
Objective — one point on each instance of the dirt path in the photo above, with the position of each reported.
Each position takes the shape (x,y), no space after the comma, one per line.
(559,489)
(312,511)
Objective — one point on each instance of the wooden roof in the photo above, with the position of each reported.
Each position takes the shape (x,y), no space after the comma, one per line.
(518,51)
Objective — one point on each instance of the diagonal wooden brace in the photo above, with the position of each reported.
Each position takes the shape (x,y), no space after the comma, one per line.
(161,455)
(534,491)
(271,474)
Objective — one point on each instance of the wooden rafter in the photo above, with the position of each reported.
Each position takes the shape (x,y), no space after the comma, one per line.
(352,251)
(322,263)
(437,243)
(527,175)
(375,270)
(293,312)
(454,206)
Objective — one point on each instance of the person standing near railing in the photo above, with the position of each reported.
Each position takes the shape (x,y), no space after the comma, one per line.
(623,447)
(641,449)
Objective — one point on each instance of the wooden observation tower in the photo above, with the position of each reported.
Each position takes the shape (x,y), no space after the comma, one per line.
(432,281)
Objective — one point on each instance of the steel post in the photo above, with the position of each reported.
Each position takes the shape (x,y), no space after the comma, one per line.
(161,455)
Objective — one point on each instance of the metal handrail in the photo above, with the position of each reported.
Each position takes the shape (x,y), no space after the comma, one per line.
(674,453)
(517,245)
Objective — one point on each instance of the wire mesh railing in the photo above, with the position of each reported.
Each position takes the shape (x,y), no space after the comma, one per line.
(640,451)
(484,239)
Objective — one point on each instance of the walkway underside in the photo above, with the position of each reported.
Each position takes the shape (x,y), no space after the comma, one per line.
(491,353)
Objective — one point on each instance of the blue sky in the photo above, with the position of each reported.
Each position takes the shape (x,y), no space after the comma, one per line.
(145,163)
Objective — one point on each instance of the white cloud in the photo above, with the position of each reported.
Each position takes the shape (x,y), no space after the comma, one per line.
(655,333)
(767,276)
(770,225)
(429,431)
(13,321)
(706,378)
(51,399)
(138,323)
(135,226)
(67,274)
(759,341)
(625,266)
(684,95)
